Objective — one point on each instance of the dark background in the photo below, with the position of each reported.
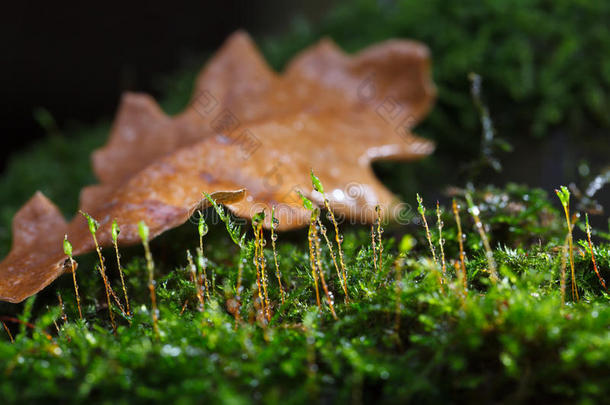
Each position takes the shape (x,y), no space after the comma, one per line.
(75,58)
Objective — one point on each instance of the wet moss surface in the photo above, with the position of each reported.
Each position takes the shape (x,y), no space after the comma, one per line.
(401,336)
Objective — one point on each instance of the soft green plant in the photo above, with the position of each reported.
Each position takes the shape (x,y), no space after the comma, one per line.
(564,196)
(68,252)
(232,227)
(246,249)
(144,232)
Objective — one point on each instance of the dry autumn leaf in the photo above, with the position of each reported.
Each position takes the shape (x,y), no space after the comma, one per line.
(249,137)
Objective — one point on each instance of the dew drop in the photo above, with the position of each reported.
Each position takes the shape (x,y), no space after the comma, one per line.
(203,229)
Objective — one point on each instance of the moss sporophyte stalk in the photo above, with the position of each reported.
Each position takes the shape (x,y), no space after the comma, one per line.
(441,239)
(93,227)
(278,274)
(491,262)
(260,265)
(460,238)
(68,252)
(144,232)
(588,228)
(202,229)
(564,196)
(317,185)
(115,230)
(422,212)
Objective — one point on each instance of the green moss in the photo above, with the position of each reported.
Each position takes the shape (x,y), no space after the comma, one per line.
(394,341)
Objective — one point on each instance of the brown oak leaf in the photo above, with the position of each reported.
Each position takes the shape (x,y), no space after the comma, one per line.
(249,137)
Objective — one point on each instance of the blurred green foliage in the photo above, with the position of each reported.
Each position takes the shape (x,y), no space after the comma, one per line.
(544,63)
(59,166)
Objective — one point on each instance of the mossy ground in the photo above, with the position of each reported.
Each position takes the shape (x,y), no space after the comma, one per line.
(401,337)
